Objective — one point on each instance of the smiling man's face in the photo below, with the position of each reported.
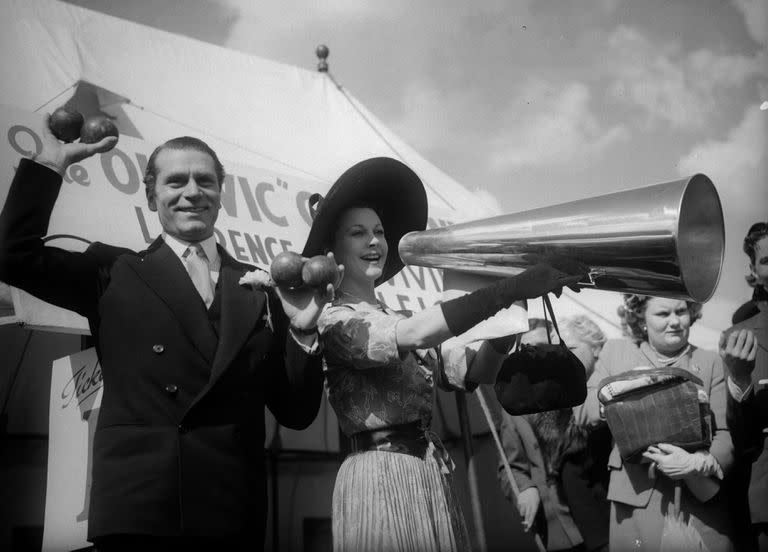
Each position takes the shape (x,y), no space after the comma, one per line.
(187,193)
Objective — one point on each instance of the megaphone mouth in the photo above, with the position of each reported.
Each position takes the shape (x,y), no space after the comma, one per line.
(700,238)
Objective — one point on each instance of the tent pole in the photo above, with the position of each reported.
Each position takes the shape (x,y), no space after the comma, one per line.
(474,489)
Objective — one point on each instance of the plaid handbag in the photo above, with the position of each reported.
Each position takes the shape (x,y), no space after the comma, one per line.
(656,405)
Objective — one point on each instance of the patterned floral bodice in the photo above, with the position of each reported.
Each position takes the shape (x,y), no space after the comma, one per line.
(370,384)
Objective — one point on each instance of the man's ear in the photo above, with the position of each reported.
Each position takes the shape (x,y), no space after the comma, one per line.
(151,198)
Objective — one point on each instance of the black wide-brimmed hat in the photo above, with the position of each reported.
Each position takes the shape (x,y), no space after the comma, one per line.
(387,186)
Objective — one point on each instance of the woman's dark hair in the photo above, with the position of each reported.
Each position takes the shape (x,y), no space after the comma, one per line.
(632,315)
(756,232)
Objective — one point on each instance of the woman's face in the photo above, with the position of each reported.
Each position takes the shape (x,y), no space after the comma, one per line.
(360,244)
(584,351)
(668,322)
(760,266)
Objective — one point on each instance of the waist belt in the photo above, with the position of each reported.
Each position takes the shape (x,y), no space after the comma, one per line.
(405,439)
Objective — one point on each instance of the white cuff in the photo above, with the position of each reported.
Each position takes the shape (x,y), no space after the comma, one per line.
(309,343)
(737,392)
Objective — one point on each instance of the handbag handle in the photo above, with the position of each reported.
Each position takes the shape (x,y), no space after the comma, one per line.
(548,308)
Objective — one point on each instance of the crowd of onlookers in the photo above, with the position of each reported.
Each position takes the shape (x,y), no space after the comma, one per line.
(577,492)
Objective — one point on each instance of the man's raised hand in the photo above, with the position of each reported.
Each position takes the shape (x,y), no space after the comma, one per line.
(58,156)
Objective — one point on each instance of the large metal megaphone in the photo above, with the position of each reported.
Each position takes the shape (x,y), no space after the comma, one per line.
(666,240)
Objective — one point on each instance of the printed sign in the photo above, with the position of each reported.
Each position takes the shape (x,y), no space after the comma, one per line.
(76,389)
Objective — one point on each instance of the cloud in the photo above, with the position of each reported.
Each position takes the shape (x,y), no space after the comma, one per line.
(668,85)
(430,118)
(428,115)
(560,129)
(743,150)
(291,15)
(738,167)
(755,14)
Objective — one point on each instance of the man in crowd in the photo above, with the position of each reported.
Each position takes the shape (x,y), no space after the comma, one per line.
(744,348)
(189,356)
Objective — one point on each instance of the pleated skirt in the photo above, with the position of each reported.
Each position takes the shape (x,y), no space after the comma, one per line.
(387,502)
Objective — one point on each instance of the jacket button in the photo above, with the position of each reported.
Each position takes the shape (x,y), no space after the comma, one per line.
(158,348)
(171,388)
(182,428)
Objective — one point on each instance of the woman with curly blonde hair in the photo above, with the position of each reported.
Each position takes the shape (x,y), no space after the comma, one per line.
(657,331)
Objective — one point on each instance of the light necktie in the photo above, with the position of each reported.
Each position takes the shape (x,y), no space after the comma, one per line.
(199,271)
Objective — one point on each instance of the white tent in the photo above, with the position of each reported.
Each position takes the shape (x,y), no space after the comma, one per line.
(253,111)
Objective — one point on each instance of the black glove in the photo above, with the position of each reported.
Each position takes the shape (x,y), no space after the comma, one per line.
(463,313)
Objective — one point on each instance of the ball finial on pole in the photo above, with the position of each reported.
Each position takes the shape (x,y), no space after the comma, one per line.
(322,54)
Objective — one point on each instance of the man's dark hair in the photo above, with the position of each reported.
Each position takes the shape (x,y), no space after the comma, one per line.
(180,143)
(756,232)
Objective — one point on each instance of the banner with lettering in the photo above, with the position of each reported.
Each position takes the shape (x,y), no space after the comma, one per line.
(102,199)
(76,389)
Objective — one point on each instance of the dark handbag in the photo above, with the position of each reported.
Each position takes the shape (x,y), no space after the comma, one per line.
(656,405)
(535,378)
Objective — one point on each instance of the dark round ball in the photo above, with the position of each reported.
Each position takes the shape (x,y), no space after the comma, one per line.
(65,124)
(96,128)
(319,271)
(286,270)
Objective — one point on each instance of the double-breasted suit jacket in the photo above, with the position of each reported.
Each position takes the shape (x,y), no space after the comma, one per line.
(178,448)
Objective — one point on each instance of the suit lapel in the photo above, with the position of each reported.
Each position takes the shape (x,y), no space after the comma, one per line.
(241,308)
(163,272)
(761,327)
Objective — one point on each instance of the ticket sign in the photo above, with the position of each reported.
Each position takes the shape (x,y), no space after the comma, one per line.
(76,389)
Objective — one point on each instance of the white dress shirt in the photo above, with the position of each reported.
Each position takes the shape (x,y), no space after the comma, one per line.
(179,247)
(309,343)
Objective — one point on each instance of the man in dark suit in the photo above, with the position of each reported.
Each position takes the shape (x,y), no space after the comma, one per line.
(744,348)
(189,356)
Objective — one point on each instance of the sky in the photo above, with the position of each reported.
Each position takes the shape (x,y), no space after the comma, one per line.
(532,103)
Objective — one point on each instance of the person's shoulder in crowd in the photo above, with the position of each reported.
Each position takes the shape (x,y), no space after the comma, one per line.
(616,348)
(745,312)
(752,321)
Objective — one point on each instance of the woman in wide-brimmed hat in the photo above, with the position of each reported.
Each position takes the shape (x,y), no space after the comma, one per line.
(393,492)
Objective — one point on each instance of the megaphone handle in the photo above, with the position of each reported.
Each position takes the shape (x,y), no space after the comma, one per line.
(591,275)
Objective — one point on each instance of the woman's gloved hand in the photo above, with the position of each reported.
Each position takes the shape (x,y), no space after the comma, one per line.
(677,463)
(528,502)
(465,312)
